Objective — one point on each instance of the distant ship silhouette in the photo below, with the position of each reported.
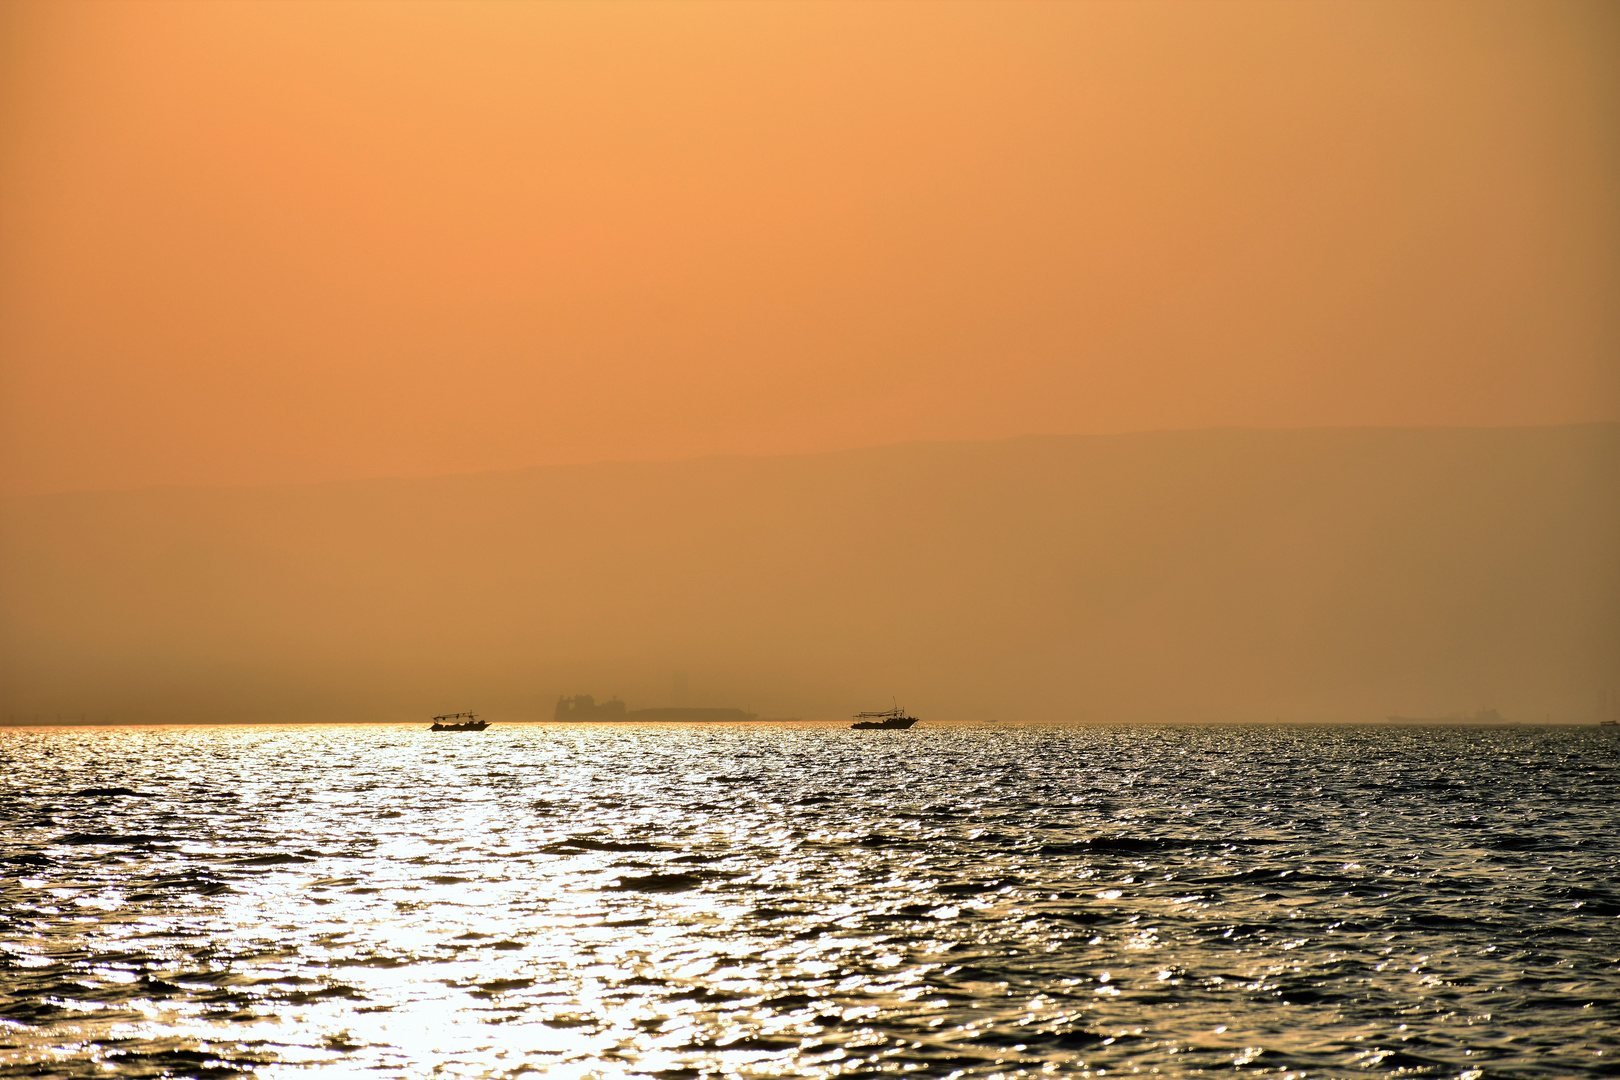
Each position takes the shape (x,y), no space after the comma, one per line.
(469,722)
(586,707)
(894,719)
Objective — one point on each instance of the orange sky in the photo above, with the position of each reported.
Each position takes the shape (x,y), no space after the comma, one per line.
(247,243)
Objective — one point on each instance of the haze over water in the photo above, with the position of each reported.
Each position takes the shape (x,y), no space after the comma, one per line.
(1030,365)
(806,900)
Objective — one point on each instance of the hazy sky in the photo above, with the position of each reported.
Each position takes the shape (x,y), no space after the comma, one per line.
(245,243)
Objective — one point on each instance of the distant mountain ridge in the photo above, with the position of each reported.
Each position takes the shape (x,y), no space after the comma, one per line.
(1233,574)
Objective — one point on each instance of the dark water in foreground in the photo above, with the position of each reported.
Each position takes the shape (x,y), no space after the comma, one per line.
(811,901)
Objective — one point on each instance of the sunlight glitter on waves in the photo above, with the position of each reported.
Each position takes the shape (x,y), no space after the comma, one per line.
(552,960)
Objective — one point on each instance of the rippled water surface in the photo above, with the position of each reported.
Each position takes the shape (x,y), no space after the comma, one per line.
(803,900)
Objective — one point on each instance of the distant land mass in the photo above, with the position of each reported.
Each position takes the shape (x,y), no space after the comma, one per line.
(1321,574)
(584,707)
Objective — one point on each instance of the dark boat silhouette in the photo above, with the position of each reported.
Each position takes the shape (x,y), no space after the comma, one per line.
(889,720)
(470,723)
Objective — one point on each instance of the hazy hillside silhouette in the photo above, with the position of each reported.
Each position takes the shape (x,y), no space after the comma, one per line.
(1318,574)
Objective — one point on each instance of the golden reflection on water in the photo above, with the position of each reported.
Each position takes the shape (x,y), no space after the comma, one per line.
(574,953)
(781,902)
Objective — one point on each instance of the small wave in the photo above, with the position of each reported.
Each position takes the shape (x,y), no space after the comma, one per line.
(1533,842)
(580,845)
(202,1064)
(744,1042)
(277,859)
(325,993)
(500,986)
(972,888)
(659,883)
(1139,845)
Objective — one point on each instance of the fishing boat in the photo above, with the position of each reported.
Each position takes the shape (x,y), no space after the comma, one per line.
(468,722)
(894,719)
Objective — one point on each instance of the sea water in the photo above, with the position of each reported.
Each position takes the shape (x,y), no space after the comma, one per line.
(810,901)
